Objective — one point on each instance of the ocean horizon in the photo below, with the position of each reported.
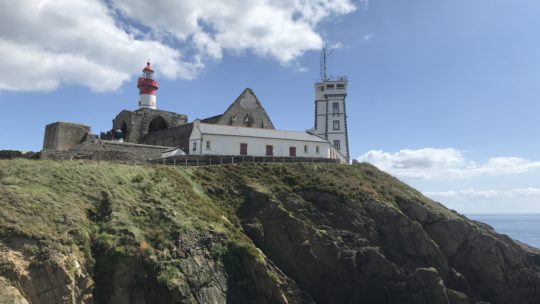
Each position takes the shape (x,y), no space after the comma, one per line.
(523,227)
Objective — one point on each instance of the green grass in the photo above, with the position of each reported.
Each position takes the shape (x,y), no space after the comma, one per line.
(69,207)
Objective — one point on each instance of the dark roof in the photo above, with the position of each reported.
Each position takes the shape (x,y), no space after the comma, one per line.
(212,120)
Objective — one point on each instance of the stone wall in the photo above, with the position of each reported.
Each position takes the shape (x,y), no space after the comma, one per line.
(173,137)
(137,123)
(11,154)
(108,151)
(63,136)
(246,111)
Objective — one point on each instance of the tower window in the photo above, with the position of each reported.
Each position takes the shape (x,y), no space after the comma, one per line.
(335,107)
(340,86)
(329,86)
(194,146)
(336,124)
(337,144)
(321,88)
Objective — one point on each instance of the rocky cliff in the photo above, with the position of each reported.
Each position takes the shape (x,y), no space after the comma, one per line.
(89,232)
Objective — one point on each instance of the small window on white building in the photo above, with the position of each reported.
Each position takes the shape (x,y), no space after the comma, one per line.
(207,145)
(336,124)
(317,149)
(329,86)
(335,107)
(337,144)
(340,86)
(305,148)
(321,88)
(194,146)
(269,150)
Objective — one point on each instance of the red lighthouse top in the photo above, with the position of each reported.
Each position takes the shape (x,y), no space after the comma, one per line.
(148,68)
(146,83)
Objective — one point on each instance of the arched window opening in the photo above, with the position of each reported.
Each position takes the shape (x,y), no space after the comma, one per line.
(157,124)
(124,130)
(248,121)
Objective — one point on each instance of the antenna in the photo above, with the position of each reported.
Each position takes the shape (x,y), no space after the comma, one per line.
(324,56)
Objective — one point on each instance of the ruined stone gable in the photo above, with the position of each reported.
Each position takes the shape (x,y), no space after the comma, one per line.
(246,111)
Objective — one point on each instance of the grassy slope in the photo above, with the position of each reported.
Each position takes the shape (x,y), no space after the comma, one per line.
(68,207)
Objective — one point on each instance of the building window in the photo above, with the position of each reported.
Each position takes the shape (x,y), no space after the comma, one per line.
(335,107)
(321,88)
(269,150)
(243,149)
(292,151)
(340,86)
(194,146)
(207,145)
(336,124)
(337,144)
(305,148)
(317,149)
(329,86)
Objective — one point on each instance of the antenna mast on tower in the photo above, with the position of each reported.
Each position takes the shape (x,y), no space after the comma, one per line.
(324,56)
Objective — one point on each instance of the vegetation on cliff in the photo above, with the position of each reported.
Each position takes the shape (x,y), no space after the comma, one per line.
(98,232)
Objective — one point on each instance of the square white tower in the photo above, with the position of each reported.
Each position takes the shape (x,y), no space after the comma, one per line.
(331,114)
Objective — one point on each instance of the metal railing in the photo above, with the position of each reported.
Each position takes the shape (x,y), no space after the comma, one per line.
(211,160)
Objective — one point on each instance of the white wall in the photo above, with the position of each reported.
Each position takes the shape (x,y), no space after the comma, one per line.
(230,145)
(176,152)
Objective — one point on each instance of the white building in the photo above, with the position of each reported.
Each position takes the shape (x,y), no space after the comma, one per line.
(212,139)
(330,113)
(173,152)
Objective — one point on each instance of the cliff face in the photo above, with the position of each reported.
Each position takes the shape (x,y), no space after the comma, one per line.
(83,232)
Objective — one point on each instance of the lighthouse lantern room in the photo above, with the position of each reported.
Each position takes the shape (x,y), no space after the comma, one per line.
(147,88)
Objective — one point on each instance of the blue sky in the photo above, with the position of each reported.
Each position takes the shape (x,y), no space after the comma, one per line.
(443,94)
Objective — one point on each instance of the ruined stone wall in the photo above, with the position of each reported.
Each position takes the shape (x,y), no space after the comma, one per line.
(173,137)
(108,151)
(138,122)
(63,136)
(246,111)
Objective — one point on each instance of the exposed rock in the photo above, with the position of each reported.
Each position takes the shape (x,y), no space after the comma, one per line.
(250,233)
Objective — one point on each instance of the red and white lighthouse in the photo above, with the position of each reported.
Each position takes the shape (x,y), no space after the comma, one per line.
(147,88)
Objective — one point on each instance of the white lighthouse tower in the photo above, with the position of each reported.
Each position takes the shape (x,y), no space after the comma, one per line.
(147,88)
(330,110)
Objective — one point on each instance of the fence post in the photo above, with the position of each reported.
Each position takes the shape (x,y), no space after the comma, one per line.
(221,160)
(186,161)
(197,163)
(232,159)
(210,161)
(174,161)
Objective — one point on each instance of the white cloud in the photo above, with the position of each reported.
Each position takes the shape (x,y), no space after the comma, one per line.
(282,29)
(45,43)
(474,194)
(430,163)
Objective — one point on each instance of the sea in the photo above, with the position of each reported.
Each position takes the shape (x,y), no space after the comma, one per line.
(521,227)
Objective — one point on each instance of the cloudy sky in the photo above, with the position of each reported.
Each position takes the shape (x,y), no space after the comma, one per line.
(443,94)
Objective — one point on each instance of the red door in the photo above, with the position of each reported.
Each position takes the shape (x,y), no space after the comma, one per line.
(243,149)
(269,150)
(292,151)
